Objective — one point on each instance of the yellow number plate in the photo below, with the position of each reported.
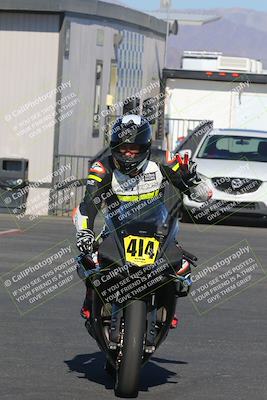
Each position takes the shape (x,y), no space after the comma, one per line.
(140,250)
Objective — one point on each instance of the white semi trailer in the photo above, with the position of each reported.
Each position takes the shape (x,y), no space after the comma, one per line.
(230,91)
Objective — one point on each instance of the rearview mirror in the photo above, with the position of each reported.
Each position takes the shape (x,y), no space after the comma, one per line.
(242,141)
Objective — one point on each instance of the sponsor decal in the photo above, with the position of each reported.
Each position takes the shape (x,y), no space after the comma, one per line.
(90,182)
(151,176)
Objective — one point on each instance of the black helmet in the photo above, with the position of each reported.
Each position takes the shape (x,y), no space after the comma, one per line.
(131,129)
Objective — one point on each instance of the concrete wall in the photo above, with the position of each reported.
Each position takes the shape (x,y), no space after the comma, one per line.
(29,57)
(75,134)
(48,93)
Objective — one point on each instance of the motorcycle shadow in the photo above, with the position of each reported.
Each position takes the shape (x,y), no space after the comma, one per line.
(152,374)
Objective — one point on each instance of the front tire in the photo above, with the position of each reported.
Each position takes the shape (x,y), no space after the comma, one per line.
(185,217)
(127,380)
(110,369)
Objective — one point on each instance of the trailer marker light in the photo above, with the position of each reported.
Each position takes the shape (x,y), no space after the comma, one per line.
(209,73)
(222,73)
(235,75)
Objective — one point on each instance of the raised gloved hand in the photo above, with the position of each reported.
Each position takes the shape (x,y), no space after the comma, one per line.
(199,190)
(85,239)
(188,170)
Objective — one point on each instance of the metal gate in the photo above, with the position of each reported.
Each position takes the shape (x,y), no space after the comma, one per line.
(178,129)
(69,180)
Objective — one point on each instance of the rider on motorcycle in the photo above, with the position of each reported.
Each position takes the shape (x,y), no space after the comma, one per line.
(127,177)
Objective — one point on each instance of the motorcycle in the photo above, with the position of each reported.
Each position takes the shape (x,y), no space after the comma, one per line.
(140,274)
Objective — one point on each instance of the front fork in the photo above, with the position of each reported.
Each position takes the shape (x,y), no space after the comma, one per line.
(151,326)
(116,326)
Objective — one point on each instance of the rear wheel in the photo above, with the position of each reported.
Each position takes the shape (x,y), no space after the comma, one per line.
(127,379)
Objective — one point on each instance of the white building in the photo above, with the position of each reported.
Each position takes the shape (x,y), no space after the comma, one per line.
(62,63)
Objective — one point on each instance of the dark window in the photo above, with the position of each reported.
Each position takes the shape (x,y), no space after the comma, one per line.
(234,148)
(12,165)
(100,37)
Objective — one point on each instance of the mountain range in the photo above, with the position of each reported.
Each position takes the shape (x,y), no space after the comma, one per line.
(239,32)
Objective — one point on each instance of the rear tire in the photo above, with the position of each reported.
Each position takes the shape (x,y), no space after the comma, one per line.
(127,379)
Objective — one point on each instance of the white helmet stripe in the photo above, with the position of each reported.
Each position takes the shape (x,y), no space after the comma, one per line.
(135,118)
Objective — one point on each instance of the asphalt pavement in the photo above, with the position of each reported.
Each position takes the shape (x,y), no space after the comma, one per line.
(46,354)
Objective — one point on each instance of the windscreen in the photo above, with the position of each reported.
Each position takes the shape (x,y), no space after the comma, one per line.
(234,148)
(152,212)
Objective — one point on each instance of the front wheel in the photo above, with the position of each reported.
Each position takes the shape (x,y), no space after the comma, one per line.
(127,380)
(110,369)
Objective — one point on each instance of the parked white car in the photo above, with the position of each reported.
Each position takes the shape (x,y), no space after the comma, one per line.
(234,165)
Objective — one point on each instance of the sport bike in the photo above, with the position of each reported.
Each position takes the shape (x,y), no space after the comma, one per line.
(141,272)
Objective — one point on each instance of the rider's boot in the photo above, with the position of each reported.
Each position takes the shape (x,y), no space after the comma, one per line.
(86,309)
(174,322)
(183,273)
(183,279)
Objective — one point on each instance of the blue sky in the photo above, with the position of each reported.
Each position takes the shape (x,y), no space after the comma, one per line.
(202,4)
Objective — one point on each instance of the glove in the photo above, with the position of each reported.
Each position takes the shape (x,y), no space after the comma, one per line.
(200,192)
(188,170)
(85,239)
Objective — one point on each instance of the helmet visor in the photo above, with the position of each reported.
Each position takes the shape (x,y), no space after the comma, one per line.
(129,150)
